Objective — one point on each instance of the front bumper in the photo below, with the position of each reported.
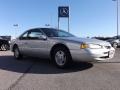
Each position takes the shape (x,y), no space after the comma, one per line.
(88,55)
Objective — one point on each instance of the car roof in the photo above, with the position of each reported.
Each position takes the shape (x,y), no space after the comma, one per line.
(44,28)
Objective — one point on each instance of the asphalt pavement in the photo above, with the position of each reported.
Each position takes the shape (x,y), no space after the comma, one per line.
(39,74)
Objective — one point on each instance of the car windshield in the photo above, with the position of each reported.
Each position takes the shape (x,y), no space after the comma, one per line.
(56,33)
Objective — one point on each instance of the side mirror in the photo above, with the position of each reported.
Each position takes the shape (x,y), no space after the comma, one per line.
(43,37)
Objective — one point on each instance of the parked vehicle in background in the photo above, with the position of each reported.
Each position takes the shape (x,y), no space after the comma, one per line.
(60,47)
(115,41)
(4,44)
(102,38)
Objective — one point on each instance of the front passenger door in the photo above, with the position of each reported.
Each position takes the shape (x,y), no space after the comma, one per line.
(37,47)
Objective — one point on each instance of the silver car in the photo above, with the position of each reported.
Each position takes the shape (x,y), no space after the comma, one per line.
(60,47)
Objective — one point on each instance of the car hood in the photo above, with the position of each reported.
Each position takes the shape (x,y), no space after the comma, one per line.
(83,40)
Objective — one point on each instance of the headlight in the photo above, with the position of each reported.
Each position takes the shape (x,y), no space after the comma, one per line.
(94,46)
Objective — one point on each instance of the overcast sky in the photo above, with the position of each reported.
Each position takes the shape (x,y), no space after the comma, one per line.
(87,17)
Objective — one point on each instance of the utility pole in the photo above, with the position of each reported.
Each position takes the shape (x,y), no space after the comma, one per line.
(117,7)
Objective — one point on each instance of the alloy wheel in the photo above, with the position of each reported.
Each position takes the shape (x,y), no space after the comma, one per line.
(60,58)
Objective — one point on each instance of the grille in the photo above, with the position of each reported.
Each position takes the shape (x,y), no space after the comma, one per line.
(105,57)
(107,47)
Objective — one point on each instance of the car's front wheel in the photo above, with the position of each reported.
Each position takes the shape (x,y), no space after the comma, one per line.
(61,57)
(17,54)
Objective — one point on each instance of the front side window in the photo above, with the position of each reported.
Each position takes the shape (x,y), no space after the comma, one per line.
(34,34)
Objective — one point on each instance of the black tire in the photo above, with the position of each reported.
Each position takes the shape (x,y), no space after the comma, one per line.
(17,53)
(61,61)
(7,47)
(115,45)
(4,47)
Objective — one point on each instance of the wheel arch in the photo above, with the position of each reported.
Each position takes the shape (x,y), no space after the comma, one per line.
(14,46)
(59,45)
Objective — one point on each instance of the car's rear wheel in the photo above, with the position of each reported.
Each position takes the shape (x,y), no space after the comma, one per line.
(17,54)
(115,45)
(61,57)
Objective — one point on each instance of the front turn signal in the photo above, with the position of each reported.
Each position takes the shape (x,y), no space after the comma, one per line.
(83,46)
